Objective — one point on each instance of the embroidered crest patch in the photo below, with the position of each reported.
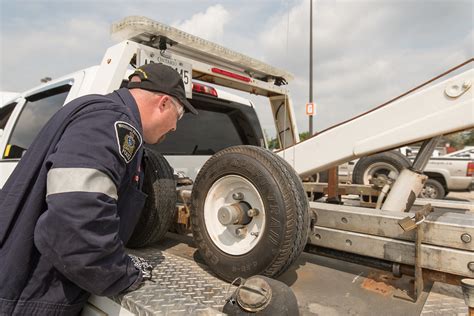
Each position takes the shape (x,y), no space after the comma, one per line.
(128,140)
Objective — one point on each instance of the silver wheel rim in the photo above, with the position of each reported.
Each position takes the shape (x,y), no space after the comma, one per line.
(429,192)
(376,170)
(224,237)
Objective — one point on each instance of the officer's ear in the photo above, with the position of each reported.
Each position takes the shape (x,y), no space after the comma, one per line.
(161,101)
(135,79)
(166,102)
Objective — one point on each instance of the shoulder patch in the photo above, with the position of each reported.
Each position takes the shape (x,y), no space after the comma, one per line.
(129,140)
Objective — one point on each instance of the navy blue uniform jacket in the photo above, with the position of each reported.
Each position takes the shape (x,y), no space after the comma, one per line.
(70,206)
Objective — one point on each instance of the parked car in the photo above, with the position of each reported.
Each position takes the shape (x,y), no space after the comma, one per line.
(446,173)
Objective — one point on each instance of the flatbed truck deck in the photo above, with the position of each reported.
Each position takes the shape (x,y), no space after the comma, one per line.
(184,285)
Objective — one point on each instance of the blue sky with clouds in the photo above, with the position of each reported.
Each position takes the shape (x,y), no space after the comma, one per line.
(365,52)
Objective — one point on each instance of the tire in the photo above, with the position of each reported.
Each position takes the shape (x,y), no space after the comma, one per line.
(379,165)
(160,207)
(433,189)
(274,238)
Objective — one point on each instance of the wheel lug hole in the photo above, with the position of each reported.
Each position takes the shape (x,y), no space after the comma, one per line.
(238,196)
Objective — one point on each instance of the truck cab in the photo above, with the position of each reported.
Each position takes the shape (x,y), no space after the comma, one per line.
(224,120)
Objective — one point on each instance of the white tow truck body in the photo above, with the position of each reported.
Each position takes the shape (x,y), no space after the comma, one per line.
(16,120)
(442,108)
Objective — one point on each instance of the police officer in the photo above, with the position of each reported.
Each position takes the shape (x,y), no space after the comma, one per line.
(73,200)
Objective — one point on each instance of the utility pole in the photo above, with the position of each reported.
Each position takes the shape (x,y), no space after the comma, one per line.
(333,178)
(310,64)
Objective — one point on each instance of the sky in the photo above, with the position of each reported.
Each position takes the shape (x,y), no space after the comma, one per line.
(365,52)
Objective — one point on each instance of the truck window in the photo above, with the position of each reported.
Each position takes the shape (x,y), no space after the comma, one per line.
(5,113)
(39,108)
(205,135)
(218,126)
(465,154)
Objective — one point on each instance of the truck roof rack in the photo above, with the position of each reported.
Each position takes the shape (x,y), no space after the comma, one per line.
(152,33)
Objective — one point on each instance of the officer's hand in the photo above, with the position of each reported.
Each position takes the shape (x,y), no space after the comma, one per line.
(142,265)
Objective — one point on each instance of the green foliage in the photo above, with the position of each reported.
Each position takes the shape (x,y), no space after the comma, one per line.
(469,141)
(460,140)
(304,135)
(273,143)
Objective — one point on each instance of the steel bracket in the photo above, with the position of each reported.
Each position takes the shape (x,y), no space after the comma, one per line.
(418,225)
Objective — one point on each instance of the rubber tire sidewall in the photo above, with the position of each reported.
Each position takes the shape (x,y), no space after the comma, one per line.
(441,193)
(259,258)
(160,207)
(394,158)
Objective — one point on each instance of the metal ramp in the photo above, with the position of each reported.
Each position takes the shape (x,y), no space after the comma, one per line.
(179,286)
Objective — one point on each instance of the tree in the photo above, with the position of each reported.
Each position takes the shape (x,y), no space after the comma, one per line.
(304,135)
(272,143)
(460,140)
(469,141)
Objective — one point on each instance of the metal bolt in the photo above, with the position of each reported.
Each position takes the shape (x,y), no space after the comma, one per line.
(241,231)
(253,212)
(466,238)
(238,196)
(254,234)
(470,266)
(396,270)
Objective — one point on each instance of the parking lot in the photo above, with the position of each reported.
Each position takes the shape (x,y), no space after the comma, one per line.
(461,195)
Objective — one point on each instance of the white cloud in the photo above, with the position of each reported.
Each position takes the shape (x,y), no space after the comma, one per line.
(365,52)
(53,51)
(208,25)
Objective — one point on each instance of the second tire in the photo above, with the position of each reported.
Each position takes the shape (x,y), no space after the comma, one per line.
(159,210)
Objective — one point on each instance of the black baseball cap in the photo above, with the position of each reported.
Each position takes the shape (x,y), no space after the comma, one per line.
(164,79)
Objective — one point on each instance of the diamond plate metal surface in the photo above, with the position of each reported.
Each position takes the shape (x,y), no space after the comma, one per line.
(445,299)
(178,287)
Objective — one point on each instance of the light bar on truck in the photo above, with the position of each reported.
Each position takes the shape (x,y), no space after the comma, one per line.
(145,31)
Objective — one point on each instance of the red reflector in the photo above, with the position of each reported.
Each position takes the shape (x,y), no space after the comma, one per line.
(470,169)
(230,74)
(200,88)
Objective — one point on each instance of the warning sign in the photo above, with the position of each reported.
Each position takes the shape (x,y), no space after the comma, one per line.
(311,108)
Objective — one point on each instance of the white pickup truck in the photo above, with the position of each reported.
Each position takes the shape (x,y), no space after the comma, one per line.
(224,120)
(448,173)
(451,172)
